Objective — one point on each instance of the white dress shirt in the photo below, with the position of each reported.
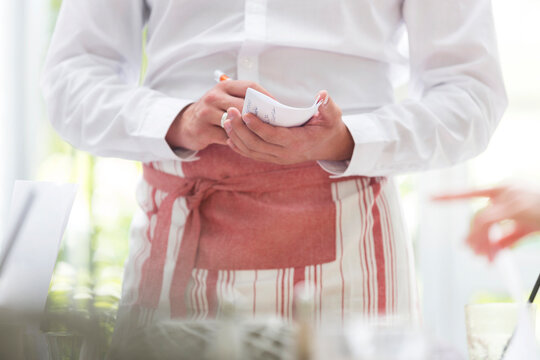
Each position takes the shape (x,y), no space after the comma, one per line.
(293,49)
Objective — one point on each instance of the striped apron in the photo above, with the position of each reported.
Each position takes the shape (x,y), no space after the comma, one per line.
(225,226)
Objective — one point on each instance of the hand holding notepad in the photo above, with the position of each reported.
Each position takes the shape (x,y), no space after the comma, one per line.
(268,131)
(275,113)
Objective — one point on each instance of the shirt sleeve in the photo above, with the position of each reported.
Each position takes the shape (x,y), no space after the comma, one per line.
(91,83)
(457,100)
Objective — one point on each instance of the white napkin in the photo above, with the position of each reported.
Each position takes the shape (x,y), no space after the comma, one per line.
(25,279)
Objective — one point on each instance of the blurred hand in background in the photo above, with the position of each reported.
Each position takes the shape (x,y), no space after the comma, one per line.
(515,207)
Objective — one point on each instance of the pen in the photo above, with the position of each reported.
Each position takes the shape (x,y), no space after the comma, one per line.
(220,76)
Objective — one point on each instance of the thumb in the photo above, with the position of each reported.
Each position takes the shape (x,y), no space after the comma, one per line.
(513,237)
(328,109)
(233,113)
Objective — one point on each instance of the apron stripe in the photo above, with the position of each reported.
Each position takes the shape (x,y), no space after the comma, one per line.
(320,291)
(223,286)
(283,292)
(233,282)
(204,292)
(363,249)
(288,292)
(255,293)
(379,249)
(340,230)
(299,276)
(391,240)
(371,253)
(194,284)
(277,290)
(200,294)
(387,255)
(211,292)
(315,291)
(199,306)
(368,251)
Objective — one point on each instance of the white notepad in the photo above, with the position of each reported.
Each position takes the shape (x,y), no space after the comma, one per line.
(275,113)
(27,272)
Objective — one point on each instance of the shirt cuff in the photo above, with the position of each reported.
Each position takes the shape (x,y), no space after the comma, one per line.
(335,168)
(369,140)
(159,117)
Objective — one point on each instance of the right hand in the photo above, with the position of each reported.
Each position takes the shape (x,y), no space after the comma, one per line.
(199,124)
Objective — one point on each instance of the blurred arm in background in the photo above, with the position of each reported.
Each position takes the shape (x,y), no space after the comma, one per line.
(514,203)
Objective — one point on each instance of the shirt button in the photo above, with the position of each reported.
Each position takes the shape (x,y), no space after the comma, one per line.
(247,62)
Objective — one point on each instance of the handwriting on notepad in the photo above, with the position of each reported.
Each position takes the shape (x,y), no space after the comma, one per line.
(273,112)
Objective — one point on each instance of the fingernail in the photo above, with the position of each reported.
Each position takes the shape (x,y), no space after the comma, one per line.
(246,119)
(227,125)
(326,100)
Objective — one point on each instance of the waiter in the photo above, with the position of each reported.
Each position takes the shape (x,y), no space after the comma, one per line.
(248,210)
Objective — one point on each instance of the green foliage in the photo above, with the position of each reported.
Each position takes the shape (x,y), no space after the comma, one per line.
(144,62)
(87,280)
(55,5)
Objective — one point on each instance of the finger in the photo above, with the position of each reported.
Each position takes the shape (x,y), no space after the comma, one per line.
(480,238)
(512,238)
(246,141)
(217,135)
(235,148)
(210,115)
(227,125)
(328,110)
(238,87)
(479,235)
(479,241)
(491,255)
(250,154)
(227,101)
(486,217)
(243,152)
(484,249)
(492,192)
(271,134)
(250,139)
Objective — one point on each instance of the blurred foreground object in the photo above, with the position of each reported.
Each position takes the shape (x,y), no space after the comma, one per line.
(72,336)
(516,207)
(38,217)
(375,338)
(274,339)
(28,267)
(490,328)
(51,336)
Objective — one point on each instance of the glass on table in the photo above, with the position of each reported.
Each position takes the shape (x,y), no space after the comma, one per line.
(64,345)
(490,327)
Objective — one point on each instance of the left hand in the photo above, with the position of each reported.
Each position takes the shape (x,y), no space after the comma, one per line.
(323,137)
(517,204)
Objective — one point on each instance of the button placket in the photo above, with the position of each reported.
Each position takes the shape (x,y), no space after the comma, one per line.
(255,34)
